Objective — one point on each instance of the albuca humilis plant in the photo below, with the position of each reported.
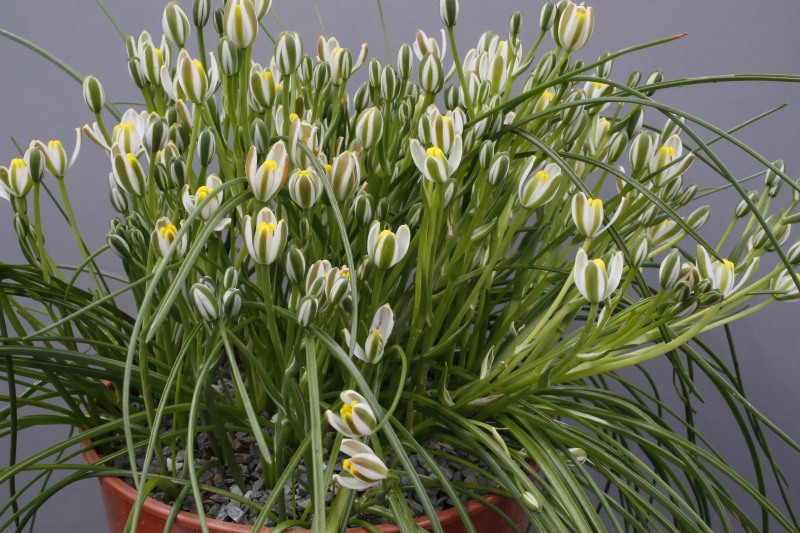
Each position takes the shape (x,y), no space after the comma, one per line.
(446,264)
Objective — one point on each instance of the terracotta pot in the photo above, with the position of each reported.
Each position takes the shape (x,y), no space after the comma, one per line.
(119,497)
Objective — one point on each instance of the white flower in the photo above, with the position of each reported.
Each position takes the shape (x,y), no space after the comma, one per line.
(267,179)
(540,187)
(355,419)
(241,21)
(16,180)
(265,242)
(424,45)
(386,248)
(587,213)
(723,273)
(433,164)
(163,237)
(191,79)
(593,281)
(190,202)
(382,325)
(575,27)
(365,469)
(305,187)
(56,157)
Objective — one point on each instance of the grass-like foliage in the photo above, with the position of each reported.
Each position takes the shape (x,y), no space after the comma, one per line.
(465,248)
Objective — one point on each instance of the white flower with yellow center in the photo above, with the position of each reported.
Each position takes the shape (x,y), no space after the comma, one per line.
(355,418)
(56,156)
(540,187)
(267,179)
(240,21)
(433,163)
(387,248)
(665,156)
(265,237)
(192,202)
(722,273)
(574,27)
(16,179)
(191,78)
(587,213)
(305,187)
(327,50)
(363,469)
(593,280)
(424,45)
(379,332)
(165,235)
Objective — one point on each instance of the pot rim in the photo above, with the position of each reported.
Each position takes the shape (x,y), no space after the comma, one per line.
(473,508)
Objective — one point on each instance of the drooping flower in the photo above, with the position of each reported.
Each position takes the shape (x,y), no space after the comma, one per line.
(355,418)
(365,469)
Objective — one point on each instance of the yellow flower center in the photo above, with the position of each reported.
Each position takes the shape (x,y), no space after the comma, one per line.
(293,117)
(198,65)
(327,167)
(385,233)
(267,75)
(169,232)
(132,159)
(728,264)
(547,95)
(595,202)
(347,412)
(541,176)
(266,227)
(435,151)
(18,163)
(337,50)
(303,173)
(202,192)
(55,145)
(668,151)
(345,274)
(348,465)
(599,86)
(600,264)
(269,165)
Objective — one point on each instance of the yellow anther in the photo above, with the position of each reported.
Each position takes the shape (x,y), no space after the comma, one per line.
(202,192)
(302,173)
(595,202)
(435,151)
(293,117)
(18,163)
(267,75)
(54,145)
(169,232)
(385,233)
(541,176)
(266,227)
(667,150)
(132,159)
(548,95)
(728,264)
(600,264)
(345,274)
(348,465)
(327,167)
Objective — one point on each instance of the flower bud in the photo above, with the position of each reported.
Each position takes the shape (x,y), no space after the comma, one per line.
(688,195)
(448,10)
(128,173)
(604,69)
(670,270)
(699,217)
(205,301)
(575,27)
(261,7)
(390,88)
(93,94)
(369,127)
(642,149)
(240,22)
(156,135)
(307,311)
(231,302)
(305,187)
(118,200)
(431,75)
(640,250)
(288,52)
(773,179)
(341,65)
(544,67)
(362,208)
(785,285)
(498,170)
(175,24)
(405,61)
(36,162)
(548,15)
(218,16)
(295,264)
(201,9)
(136,72)
(616,146)
(742,209)
(229,56)
(345,175)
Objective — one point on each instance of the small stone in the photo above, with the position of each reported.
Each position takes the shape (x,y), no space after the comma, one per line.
(257,484)
(234,512)
(234,489)
(248,494)
(222,514)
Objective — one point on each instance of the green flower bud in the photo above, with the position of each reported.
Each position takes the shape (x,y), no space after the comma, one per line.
(514,25)
(498,170)
(390,88)
(544,68)
(576,127)
(179,135)
(288,52)
(136,72)
(306,69)
(231,303)
(773,179)
(642,150)
(156,134)
(263,88)
(486,155)
(118,200)
(229,56)
(219,21)
(547,15)
(205,301)
(530,500)
(93,94)
(307,311)
(742,209)
(688,195)
(341,65)
(201,10)
(448,10)
(206,147)
(240,22)
(405,61)
(616,146)
(604,69)
(35,159)
(305,187)
(452,97)
(295,264)
(570,114)
(794,254)
(362,208)
(639,249)
(119,246)
(634,122)
(670,270)
(369,127)
(431,76)
(345,175)
(259,135)
(175,24)
(699,217)
(655,77)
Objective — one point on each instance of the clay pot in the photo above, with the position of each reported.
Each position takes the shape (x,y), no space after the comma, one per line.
(119,497)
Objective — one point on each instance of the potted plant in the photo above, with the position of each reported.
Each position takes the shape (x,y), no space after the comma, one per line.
(405,301)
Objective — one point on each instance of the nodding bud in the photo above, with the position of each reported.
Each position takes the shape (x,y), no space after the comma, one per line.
(205,301)
(531,501)
(229,56)
(452,97)
(448,10)
(93,94)
(431,75)
(118,200)
(307,311)
(670,270)
(405,61)
(362,209)
(498,170)
(240,22)
(547,15)
(206,147)
(655,77)
(688,195)
(201,10)
(155,136)
(175,24)
(230,279)
(773,179)
(699,217)
(288,52)
(486,155)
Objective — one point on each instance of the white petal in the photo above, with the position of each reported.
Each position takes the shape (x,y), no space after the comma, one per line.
(352,447)
(352,483)
(383,321)
(372,237)
(418,155)
(338,424)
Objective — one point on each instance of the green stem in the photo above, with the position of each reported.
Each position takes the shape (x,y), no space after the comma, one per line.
(76,233)
(319,485)
(37,214)
(457,60)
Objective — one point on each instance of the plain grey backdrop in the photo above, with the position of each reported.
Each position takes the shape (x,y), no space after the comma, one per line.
(40,102)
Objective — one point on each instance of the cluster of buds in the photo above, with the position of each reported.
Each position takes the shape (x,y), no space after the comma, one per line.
(209,305)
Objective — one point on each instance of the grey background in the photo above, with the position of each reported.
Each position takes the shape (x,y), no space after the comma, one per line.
(38,101)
